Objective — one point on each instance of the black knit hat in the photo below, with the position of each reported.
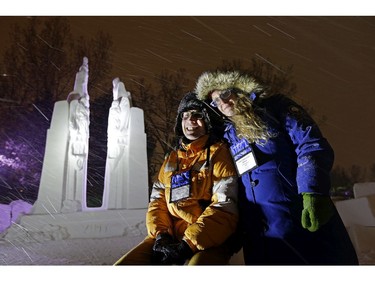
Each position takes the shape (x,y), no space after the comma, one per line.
(190,102)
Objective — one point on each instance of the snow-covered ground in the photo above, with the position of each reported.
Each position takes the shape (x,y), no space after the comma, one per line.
(115,232)
(96,253)
(93,251)
(93,258)
(85,251)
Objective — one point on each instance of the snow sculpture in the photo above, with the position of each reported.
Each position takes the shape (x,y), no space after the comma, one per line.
(60,212)
(64,176)
(125,185)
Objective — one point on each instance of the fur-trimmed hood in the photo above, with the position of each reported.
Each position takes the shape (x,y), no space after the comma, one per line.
(210,81)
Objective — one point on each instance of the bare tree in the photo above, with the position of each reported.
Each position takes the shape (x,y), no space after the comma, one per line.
(372,172)
(145,100)
(43,55)
(38,70)
(160,103)
(356,174)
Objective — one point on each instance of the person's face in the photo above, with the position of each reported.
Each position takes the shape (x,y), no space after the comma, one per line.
(225,105)
(193,125)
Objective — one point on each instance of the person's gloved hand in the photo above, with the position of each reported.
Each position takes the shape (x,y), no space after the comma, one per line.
(162,240)
(178,253)
(317,211)
(159,248)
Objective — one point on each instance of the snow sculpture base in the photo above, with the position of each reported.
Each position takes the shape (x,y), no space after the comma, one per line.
(81,238)
(95,224)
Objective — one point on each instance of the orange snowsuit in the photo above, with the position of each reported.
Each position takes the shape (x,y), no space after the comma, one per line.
(209,215)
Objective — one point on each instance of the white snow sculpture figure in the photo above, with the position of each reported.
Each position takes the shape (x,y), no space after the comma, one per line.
(79,121)
(118,119)
(125,182)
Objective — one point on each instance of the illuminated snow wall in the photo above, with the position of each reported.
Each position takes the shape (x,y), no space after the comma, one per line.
(64,174)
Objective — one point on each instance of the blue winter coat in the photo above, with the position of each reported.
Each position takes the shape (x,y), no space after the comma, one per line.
(297,159)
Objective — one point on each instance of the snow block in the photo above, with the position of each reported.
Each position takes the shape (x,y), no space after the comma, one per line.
(52,182)
(4,217)
(237,259)
(363,238)
(358,211)
(363,189)
(19,208)
(11,213)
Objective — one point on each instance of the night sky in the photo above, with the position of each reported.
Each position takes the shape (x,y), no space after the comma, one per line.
(333,60)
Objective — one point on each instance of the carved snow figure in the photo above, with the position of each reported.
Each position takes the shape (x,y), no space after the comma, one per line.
(118,123)
(79,121)
(118,120)
(63,181)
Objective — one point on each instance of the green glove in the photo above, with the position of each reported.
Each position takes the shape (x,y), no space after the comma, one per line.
(317,211)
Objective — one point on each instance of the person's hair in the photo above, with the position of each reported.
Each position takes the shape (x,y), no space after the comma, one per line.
(247,122)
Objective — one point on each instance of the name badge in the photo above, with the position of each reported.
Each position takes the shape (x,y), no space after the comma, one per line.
(180,186)
(243,157)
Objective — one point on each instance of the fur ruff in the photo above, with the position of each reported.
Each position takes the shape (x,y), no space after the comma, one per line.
(211,81)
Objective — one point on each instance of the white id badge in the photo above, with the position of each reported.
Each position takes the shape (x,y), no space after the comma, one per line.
(246,163)
(179,193)
(243,157)
(180,186)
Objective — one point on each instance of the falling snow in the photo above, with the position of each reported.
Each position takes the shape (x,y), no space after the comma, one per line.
(329,69)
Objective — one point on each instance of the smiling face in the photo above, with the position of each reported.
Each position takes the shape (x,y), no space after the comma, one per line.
(226,106)
(193,125)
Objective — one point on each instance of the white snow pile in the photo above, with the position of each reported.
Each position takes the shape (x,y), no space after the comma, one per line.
(10,213)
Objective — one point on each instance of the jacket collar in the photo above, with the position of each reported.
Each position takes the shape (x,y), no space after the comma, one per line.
(195,146)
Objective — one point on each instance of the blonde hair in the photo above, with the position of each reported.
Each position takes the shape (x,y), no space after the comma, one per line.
(247,122)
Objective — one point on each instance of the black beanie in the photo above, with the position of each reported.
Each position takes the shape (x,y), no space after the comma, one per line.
(190,102)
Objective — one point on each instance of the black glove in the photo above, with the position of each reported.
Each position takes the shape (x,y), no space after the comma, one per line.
(178,253)
(159,250)
(162,240)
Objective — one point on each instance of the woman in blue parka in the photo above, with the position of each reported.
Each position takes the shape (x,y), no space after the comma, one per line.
(286,213)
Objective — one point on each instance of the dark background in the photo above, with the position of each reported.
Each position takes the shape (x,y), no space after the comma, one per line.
(333,59)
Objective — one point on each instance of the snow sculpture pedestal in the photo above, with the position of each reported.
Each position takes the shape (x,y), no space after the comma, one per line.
(100,224)
(80,238)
